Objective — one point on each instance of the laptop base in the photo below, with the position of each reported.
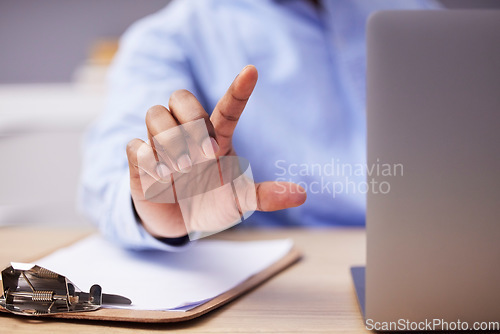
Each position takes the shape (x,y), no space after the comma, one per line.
(358,277)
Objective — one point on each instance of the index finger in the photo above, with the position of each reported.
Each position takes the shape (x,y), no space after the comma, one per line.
(229,108)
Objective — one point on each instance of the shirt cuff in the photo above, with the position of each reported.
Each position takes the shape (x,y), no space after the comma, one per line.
(130,233)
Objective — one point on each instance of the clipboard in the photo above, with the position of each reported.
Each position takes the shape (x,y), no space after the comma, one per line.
(145,316)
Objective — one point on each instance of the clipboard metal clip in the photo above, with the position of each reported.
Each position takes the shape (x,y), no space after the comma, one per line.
(28,289)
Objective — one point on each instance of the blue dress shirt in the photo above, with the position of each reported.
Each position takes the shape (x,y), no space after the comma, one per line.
(303,123)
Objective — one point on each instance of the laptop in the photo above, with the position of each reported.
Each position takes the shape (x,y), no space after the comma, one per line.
(433,119)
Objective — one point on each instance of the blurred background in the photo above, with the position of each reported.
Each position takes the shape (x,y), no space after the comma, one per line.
(54,55)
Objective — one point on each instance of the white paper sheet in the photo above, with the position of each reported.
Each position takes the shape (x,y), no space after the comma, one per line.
(157,280)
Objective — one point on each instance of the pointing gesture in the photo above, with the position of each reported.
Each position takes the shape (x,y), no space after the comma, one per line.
(180,159)
(228,110)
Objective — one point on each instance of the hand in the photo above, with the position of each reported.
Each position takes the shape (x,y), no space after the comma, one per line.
(165,219)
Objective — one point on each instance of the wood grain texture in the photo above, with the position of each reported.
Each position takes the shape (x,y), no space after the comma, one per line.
(315,295)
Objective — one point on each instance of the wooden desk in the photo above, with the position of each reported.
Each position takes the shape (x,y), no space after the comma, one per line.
(314,295)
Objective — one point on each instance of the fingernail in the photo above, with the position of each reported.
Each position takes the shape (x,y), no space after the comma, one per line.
(184,163)
(209,147)
(162,170)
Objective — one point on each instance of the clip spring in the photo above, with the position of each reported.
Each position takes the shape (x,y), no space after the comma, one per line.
(33,290)
(42,296)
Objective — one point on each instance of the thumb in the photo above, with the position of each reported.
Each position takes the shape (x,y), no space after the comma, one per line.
(273,195)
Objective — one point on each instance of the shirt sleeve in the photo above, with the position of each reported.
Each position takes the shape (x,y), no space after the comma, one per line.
(151,63)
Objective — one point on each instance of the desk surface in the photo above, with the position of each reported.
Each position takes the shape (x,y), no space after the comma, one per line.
(314,295)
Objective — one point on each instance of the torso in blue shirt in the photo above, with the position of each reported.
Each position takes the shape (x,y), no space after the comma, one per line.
(306,117)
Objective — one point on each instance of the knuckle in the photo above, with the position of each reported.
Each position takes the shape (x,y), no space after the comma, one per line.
(154,112)
(132,146)
(180,95)
(239,99)
(228,117)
